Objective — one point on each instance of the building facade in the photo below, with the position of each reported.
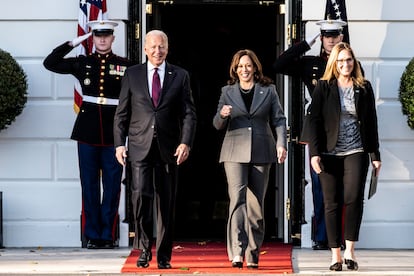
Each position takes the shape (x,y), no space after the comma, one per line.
(39,177)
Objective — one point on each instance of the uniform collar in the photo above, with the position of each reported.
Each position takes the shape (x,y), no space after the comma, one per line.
(101,56)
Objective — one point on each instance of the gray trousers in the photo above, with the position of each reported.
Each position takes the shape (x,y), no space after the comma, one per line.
(247,185)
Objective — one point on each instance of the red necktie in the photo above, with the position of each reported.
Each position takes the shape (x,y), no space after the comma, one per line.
(156,87)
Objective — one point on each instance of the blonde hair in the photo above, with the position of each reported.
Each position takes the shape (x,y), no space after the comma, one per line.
(331,71)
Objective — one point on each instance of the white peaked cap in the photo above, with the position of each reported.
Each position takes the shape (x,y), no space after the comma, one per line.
(102,26)
(331,27)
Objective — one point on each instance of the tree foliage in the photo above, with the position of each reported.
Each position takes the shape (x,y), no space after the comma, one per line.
(406,93)
(13,89)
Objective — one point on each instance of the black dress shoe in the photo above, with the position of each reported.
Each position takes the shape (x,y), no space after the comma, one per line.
(237,264)
(336,267)
(93,244)
(320,246)
(252,266)
(144,258)
(107,245)
(351,264)
(164,265)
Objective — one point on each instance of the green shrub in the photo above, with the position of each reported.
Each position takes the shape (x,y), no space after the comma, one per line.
(406,94)
(13,89)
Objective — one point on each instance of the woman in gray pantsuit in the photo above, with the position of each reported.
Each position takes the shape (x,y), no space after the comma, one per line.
(249,108)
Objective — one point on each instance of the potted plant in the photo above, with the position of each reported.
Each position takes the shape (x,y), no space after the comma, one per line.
(13,89)
(406,93)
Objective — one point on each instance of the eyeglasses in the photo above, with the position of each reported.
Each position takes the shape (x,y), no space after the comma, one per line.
(342,61)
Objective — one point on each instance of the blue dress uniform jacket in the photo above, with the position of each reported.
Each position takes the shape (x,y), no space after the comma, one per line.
(100,77)
(309,68)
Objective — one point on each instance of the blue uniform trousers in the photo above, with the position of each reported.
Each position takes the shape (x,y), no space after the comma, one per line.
(99,202)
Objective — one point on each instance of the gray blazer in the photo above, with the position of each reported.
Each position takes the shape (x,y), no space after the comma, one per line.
(249,137)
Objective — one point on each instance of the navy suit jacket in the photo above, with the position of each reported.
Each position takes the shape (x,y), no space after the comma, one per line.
(174,119)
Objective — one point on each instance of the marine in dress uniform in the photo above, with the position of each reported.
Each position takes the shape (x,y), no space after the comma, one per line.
(310,69)
(100,75)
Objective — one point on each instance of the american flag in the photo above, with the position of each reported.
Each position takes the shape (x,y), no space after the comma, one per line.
(336,9)
(89,10)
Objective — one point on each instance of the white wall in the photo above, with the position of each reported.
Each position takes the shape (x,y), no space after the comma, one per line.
(39,175)
(380,34)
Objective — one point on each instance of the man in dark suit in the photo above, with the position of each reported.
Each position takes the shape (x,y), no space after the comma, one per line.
(160,127)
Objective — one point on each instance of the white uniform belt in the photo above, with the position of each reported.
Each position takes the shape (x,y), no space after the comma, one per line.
(100,100)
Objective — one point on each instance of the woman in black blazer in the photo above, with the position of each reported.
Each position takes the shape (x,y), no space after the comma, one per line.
(343,138)
(249,109)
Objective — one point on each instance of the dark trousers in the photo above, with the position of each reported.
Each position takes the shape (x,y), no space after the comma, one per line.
(318,220)
(154,187)
(98,165)
(343,181)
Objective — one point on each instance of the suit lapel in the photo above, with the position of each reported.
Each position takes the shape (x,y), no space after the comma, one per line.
(259,96)
(357,91)
(336,102)
(168,79)
(237,99)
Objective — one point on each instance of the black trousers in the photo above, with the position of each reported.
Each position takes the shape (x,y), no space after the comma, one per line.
(153,187)
(343,183)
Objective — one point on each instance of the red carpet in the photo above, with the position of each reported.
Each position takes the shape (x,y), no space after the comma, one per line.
(211,257)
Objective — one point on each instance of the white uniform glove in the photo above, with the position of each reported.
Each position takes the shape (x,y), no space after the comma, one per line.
(78,40)
(312,40)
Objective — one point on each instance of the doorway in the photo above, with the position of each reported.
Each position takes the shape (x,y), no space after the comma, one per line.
(203,36)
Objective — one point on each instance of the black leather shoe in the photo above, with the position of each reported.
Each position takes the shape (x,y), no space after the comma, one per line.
(144,258)
(237,264)
(252,266)
(107,245)
(164,265)
(336,267)
(93,244)
(351,264)
(320,246)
